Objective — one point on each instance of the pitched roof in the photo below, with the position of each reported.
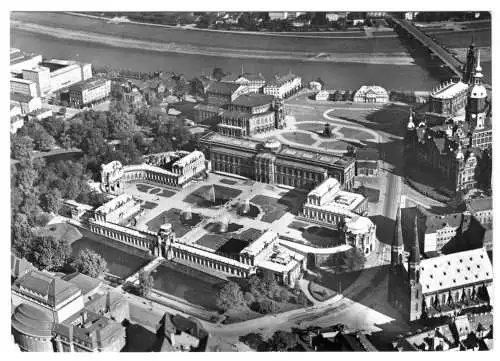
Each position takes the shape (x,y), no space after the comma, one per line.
(253,100)
(46,288)
(222,87)
(455,270)
(19,266)
(33,321)
(85,283)
(480,204)
(434,222)
(367,154)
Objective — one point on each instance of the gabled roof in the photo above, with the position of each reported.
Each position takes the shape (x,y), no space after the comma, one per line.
(455,270)
(223,88)
(19,266)
(253,100)
(434,222)
(480,204)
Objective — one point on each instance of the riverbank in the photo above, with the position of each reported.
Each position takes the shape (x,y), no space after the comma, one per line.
(398,58)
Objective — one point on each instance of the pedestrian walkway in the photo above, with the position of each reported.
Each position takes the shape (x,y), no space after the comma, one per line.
(147,268)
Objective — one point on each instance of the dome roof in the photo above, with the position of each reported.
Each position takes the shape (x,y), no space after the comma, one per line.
(272,144)
(478,91)
(359,225)
(32,321)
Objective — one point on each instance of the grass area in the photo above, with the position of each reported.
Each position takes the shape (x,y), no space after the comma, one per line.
(62,231)
(174,217)
(145,188)
(216,241)
(196,287)
(271,207)
(149,205)
(299,137)
(166,193)
(228,181)
(298,225)
(312,127)
(355,133)
(155,190)
(321,236)
(319,292)
(200,196)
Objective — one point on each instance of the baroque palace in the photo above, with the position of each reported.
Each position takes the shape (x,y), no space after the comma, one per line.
(451,133)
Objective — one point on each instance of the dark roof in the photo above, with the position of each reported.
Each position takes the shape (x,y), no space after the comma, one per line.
(107,302)
(415,248)
(50,289)
(398,230)
(366,164)
(85,283)
(480,204)
(207,107)
(434,222)
(279,80)
(367,154)
(33,321)
(87,84)
(253,100)
(234,114)
(254,77)
(222,87)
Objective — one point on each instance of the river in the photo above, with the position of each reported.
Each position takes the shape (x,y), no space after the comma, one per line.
(393,69)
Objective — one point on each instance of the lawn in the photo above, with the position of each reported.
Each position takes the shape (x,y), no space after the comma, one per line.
(312,127)
(321,236)
(166,193)
(155,190)
(299,137)
(200,196)
(145,188)
(334,144)
(149,205)
(172,216)
(355,133)
(271,207)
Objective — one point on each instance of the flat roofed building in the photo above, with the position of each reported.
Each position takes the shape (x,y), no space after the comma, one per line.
(118,210)
(42,290)
(274,163)
(20,61)
(23,86)
(89,92)
(41,76)
(65,77)
(367,162)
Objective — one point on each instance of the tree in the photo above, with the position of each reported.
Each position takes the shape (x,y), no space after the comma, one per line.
(90,263)
(21,235)
(146,283)
(254,341)
(218,73)
(49,253)
(302,299)
(282,341)
(348,261)
(229,296)
(265,306)
(51,201)
(249,298)
(21,147)
(321,81)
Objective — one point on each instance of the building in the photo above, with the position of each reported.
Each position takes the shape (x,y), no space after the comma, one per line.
(274,163)
(448,98)
(438,339)
(20,60)
(222,93)
(282,86)
(23,86)
(437,286)
(254,82)
(118,210)
(367,162)
(315,86)
(89,92)
(439,230)
(206,113)
(27,103)
(41,76)
(134,98)
(322,95)
(449,146)
(16,123)
(174,169)
(360,232)
(481,209)
(19,267)
(59,298)
(371,94)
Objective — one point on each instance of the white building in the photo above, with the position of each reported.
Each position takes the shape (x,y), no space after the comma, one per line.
(27,103)
(89,91)
(360,232)
(118,210)
(322,95)
(23,86)
(282,86)
(41,76)
(329,205)
(371,94)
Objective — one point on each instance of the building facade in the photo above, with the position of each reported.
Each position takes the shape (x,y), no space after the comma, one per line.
(371,94)
(274,163)
(448,98)
(452,147)
(23,86)
(282,86)
(89,92)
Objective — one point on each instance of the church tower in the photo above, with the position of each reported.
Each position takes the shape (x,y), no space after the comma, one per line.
(475,111)
(470,64)
(415,288)
(396,275)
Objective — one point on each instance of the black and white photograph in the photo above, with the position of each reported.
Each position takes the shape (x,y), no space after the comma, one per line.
(250,181)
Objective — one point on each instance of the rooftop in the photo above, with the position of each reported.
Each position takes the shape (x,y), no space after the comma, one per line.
(279,80)
(253,100)
(375,89)
(88,84)
(455,270)
(435,222)
(85,283)
(449,90)
(222,88)
(480,204)
(21,98)
(46,288)
(23,81)
(115,203)
(367,154)
(34,321)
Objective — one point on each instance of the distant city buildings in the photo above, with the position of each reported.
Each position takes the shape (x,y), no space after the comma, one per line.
(89,92)
(371,94)
(282,86)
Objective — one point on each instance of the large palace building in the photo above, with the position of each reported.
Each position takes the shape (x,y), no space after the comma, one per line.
(275,163)
(450,144)
(175,169)
(437,286)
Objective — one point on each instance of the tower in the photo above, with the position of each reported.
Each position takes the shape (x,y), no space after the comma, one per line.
(411,124)
(415,288)
(396,291)
(470,64)
(475,111)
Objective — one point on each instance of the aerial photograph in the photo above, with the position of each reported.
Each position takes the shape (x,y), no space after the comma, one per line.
(233,181)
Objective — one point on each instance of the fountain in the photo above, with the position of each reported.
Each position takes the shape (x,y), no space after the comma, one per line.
(211,195)
(223,223)
(246,206)
(188,214)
